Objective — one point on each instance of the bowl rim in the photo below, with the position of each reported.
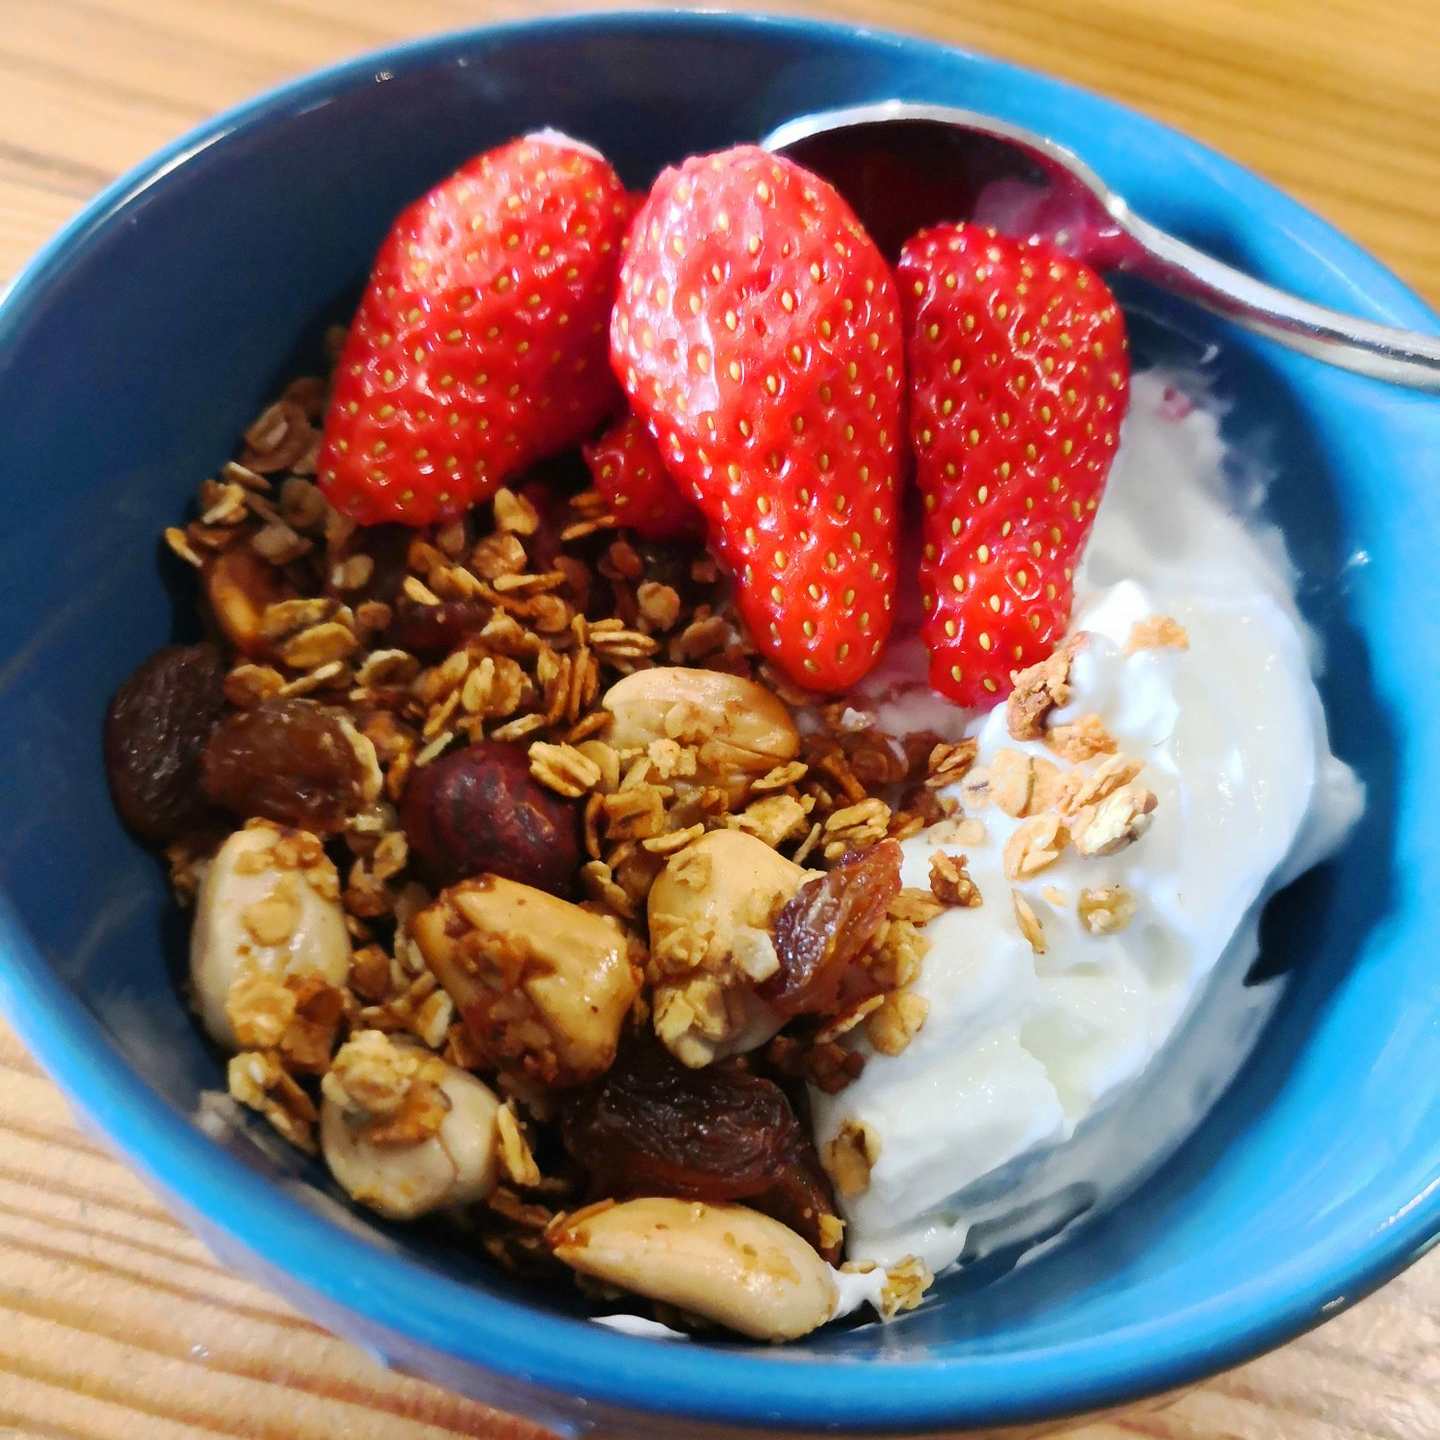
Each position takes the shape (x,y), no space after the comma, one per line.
(526,1344)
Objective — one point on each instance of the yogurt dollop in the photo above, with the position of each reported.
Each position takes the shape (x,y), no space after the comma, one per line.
(977,1118)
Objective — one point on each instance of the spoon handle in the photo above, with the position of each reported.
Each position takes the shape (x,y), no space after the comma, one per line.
(1403,357)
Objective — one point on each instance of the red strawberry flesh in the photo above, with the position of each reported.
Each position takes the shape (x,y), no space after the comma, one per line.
(480,344)
(1019,379)
(629,471)
(757,330)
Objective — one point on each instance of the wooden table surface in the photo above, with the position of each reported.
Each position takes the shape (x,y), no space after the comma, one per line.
(114,1322)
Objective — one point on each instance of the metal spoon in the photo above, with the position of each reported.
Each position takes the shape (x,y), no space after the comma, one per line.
(903,166)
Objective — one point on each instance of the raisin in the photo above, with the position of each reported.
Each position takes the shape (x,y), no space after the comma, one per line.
(479,811)
(872,760)
(290,761)
(155,731)
(650,1126)
(435,629)
(824,929)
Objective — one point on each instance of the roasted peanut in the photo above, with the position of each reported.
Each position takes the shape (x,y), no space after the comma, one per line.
(543,986)
(738,729)
(268,905)
(725,1263)
(710,912)
(455,1165)
(725,882)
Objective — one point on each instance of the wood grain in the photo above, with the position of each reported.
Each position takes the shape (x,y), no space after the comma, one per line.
(114,1322)
(1335,101)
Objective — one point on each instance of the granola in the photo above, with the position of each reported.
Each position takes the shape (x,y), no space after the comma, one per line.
(849,1157)
(1028,922)
(523,625)
(1106,910)
(1112,823)
(950,881)
(1157,632)
(896,1021)
(1082,788)
(1081,740)
(1039,690)
(1034,844)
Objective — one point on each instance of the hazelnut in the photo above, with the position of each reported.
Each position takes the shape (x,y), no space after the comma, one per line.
(479,811)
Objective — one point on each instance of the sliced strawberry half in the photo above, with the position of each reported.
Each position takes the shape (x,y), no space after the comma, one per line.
(480,344)
(1019,380)
(757,330)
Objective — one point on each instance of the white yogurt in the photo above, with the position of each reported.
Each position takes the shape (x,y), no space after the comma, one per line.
(1019,1051)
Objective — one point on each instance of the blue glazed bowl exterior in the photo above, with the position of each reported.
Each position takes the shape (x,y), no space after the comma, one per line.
(139,343)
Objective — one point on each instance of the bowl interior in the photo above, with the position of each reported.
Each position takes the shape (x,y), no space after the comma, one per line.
(136,350)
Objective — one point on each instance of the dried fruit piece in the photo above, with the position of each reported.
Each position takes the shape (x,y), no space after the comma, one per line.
(156,729)
(436,629)
(478,810)
(292,761)
(826,927)
(651,1126)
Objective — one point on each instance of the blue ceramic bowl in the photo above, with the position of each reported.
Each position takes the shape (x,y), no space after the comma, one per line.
(143,338)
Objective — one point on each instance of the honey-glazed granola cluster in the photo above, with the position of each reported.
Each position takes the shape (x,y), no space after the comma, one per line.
(504,822)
